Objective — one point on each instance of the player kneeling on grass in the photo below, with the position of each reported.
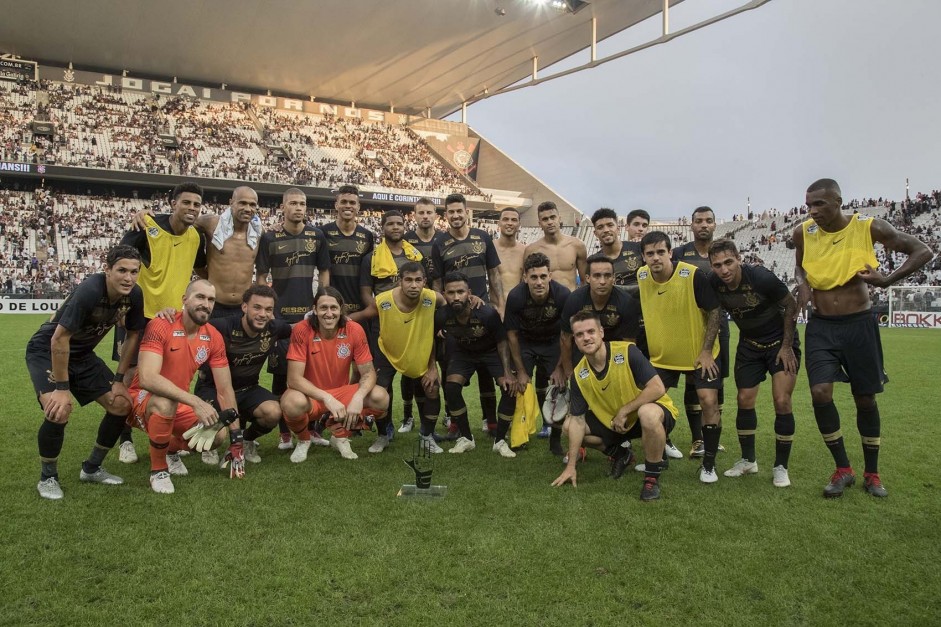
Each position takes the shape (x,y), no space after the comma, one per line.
(170,354)
(766,313)
(322,350)
(61,361)
(616,396)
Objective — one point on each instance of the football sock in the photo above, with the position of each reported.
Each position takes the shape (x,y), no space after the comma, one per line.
(828,422)
(868,423)
(746,422)
(95,458)
(694,417)
(503,426)
(711,435)
(160,430)
(109,430)
(126,434)
(784,437)
(283,426)
(652,470)
(407,390)
(51,436)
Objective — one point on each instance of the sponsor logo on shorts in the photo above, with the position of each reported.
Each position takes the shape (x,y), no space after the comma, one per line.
(201,355)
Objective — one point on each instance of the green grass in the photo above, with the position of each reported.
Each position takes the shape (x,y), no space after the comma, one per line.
(328,542)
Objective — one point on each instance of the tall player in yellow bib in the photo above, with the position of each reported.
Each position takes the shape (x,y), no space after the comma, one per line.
(407,344)
(835,267)
(616,396)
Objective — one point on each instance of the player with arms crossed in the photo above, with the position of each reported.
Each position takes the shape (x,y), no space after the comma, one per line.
(836,264)
(61,361)
(616,396)
(765,312)
(170,354)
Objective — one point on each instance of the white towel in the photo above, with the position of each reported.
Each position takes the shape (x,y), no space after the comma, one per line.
(226,227)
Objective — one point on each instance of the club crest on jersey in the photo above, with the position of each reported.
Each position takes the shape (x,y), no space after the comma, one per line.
(153,231)
(264,344)
(632,263)
(642,274)
(202,353)
(310,245)
(179,334)
(361,247)
(385,306)
(583,373)
(684,272)
(619,358)
(343,351)
(478,247)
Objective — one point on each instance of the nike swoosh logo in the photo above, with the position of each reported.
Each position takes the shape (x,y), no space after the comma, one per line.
(332,244)
(175,349)
(282,246)
(605,388)
(178,243)
(835,242)
(409,320)
(661,293)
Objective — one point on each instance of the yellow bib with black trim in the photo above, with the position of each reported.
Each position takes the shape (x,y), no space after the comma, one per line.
(833,259)
(164,281)
(406,339)
(606,396)
(674,323)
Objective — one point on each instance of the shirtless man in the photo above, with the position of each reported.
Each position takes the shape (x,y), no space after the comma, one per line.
(510,250)
(231,260)
(567,255)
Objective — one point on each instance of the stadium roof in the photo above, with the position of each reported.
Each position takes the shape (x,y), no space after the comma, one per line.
(414,55)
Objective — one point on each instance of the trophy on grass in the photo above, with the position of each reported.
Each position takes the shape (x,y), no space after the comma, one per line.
(422,463)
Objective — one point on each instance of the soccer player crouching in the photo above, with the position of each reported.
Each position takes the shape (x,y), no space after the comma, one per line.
(616,396)
(319,358)
(170,354)
(765,312)
(61,361)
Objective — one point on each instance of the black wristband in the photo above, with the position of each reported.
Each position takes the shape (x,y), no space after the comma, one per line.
(62,386)
(118,377)
(228,416)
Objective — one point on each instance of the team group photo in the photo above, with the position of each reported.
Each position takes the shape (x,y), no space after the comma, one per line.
(303,346)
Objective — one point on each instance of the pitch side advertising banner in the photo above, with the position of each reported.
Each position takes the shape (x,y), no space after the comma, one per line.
(916,319)
(29,305)
(16,166)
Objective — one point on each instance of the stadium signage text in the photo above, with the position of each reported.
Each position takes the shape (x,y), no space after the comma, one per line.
(11,166)
(29,305)
(916,319)
(169,88)
(17,69)
(399,198)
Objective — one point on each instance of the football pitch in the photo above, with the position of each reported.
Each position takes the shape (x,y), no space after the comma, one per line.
(327,541)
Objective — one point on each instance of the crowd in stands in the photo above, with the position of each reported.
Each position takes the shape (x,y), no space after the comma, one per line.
(111,128)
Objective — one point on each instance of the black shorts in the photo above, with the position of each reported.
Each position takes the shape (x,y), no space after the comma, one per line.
(247,400)
(466,364)
(845,349)
(612,438)
(225,311)
(694,379)
(754,361)
(543,356)
(89,376)
(118,340)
